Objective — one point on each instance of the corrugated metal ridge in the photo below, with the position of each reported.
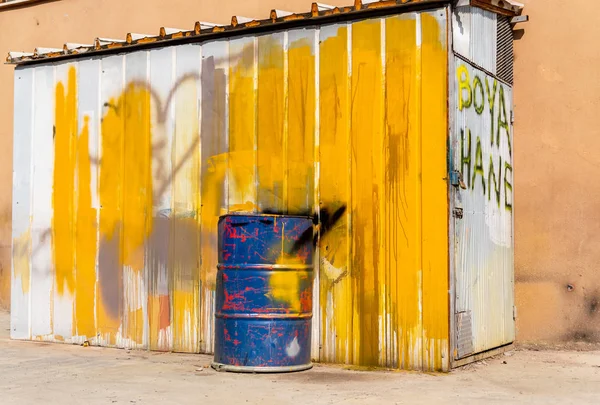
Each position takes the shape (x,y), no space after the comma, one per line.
(277,19)
(508,8)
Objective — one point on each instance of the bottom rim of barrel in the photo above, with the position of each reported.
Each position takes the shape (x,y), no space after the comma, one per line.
(257,370)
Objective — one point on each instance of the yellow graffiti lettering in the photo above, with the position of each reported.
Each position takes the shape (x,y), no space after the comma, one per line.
(465,98)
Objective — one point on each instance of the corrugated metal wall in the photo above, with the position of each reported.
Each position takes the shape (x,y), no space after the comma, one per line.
(474,36)
(484,235)
(123,164)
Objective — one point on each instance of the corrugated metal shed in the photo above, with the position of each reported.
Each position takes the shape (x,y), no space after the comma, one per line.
(127,151)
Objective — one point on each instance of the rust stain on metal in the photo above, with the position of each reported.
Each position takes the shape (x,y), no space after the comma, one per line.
(506,7)
(382,4)
(293,17)
(314,10)
(147,40)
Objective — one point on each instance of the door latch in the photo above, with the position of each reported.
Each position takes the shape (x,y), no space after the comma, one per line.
(457,213)
(456,179)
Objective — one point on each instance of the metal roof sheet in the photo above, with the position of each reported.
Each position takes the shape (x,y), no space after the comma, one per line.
(201,30)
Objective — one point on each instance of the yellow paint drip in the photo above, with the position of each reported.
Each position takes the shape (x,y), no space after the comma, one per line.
(65,139)
(134,325)
(21,263)
(185,321)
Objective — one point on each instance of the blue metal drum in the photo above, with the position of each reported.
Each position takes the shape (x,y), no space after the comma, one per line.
(264,294)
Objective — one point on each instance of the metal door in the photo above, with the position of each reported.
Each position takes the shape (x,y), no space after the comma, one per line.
(482,176)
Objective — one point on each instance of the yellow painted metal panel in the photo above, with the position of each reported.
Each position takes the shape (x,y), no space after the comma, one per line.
(242,125)
(366,157)
(402,189)
(271,156)
(335,286)
(435,192)
(65,158)
(301,122)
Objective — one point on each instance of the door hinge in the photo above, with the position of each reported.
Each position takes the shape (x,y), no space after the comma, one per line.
(457,213)
(514,312)
(456,179)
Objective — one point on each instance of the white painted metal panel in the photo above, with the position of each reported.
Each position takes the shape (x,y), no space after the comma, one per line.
(162,72)
(474,33)
(484,235)
(42,272)
(21,207)
(185,204)
(89,107)
(109,302)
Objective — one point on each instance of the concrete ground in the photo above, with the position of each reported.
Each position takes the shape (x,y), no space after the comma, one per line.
(35,372)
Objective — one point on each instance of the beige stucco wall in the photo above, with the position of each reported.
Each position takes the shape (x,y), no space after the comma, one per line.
(51,24)
(557,166)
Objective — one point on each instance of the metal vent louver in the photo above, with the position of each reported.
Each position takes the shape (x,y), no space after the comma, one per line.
(505,55)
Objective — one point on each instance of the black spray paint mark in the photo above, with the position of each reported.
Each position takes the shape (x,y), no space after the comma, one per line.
(325,222)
